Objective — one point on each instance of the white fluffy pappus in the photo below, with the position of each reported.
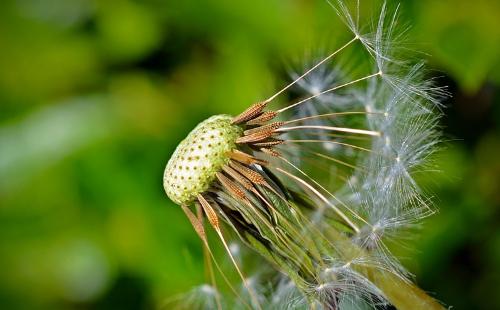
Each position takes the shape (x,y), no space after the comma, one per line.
(343,158)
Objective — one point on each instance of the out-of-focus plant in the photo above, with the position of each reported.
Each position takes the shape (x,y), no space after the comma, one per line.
(465,43)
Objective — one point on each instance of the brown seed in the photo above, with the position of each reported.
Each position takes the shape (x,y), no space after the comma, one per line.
(265,128)
(249,113)
(245,158)
(270,151)
(196,223)
(269,142)
(263,118)
(255,137)
(209,211)
(231,187)
(238,177)
(250,174)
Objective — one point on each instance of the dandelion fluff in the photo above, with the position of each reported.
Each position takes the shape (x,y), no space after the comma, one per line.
(320,186)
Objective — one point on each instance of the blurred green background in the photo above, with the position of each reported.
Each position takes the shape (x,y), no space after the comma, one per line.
(95,95)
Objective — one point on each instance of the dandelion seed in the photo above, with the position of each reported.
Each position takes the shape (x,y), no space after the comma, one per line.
(265,175)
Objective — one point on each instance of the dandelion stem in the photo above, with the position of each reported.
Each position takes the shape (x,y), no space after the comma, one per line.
(402,294)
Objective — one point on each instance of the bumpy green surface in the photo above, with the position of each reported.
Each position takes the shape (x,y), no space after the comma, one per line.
(193,166)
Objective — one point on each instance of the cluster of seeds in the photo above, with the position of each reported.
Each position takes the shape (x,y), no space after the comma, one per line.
(194,164)
(267,174)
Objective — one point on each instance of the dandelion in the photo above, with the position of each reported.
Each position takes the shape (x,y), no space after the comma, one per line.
(320,186)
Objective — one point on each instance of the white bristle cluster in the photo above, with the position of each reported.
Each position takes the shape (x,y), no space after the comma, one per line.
(198,158)
(323,189)
(401,105)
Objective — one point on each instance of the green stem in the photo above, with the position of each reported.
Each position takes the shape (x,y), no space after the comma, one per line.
(402,294)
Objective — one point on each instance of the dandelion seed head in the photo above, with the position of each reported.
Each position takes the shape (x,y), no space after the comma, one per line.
(319,186)
(196,160)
